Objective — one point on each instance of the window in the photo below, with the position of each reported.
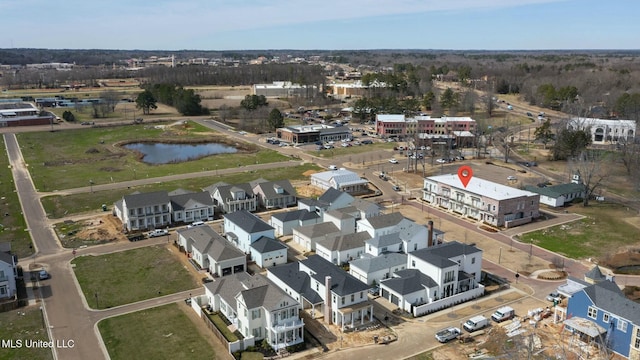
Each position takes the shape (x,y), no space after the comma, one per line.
(592,312)
(342,300)
(605,317)
(255,314)
(353,297)
(622,325)
(637,342)
(473,260)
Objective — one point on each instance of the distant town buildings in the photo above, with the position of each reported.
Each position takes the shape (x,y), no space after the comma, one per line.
(453,131)
(605,131)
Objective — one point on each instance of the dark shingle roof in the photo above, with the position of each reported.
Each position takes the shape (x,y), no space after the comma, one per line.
(269,189)
(295,215)
(385,220)
(268,296)
(227,287)
(608,296)
(226,191)
(145,199)
(556,191)
(452,249)
(247,221)
(265,245)
(345,242)
(185,201)
(342,283)
(212,188)
(594,274)
(384,261)
(317,230)
(409,281)
(208,241)
(332,195)
(297,280)
(6,257)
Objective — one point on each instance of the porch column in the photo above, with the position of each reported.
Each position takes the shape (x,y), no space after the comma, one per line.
(361,316)
(352,319)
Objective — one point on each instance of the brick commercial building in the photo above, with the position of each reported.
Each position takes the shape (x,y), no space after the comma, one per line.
(485,201)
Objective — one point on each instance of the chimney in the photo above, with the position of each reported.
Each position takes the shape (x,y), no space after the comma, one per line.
(327,299)
(430,234)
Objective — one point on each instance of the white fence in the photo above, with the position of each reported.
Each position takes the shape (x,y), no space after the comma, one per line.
(448,301)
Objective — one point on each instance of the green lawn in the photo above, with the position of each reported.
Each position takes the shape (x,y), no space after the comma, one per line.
(16,326)
(603,231)
(159,333)
(341,151)
(58,206)
(12,224)
(129,276)
(73,158)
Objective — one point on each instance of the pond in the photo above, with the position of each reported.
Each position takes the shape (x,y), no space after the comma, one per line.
(159,153)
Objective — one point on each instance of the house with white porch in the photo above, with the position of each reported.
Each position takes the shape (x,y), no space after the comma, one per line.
(190,207)
(343,248)
(284,222)
(307,236)
(229,198)
(278,194)
(257,308)
(243,228)
(8,272)
(142,211)
(342,180)
(344,298)
(329,200)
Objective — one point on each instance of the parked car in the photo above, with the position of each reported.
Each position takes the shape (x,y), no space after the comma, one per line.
(511,178)
(476,323)
(396,188)
(333,167)
(447,334)
(441,161)
(43,274)
(503,313)
(157,232)
(196,223)
(375,291)
(554,296)
(367,142)
(393,161)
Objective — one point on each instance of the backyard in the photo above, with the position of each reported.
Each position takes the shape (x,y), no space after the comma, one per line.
(130,276)
(164,332)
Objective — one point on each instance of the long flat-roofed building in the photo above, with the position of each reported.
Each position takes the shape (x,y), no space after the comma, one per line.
(302,134)
(427,130)
(485,201)
(605,131)
(22,114)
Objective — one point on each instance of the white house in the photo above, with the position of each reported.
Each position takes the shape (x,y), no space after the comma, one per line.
(307,236)
(380,225)
(342,180)
(409,288)
(258,309)
(243,228)
(268,252)
(190,207)
(141,211)
(343,248)
(8,272)
(275,194)
(329,200)
(229,198)
(284,222)
(211,251)
(344,219)
(558,195)
(605,131)
(373,269)
(344,298)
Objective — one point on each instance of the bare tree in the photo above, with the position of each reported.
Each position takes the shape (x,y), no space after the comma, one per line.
(590,166)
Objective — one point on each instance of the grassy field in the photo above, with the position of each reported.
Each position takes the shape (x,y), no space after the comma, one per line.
(129,276)
(30,326)
(602,232)
(72,158)
(12,224)
(341,151)
(164,332)
(59,206)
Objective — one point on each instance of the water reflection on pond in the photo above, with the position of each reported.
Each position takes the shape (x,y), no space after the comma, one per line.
(159,153)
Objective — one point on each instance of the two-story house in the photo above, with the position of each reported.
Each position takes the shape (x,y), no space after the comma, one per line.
(211,251)
(329,200)
(190,207)
(373,269)
(343,248)
(229,198)
(278,194)
(284,222)
(602,314)
(8,272)
(243,228)
(141,211)
(342,179)
(267,252)
(259,309)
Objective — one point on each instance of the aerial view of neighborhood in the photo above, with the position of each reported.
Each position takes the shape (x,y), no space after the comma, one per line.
(319,204)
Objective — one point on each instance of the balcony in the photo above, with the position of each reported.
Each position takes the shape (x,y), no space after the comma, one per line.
(287,325)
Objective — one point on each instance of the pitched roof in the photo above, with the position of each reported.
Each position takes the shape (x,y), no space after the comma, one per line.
(385,240)
(345,242)
(339,214)
(247,221)
(270,189)
(189,200)
(341,177)
(608,296)
(409,281)
(440,255)
(208,241)
(295,215)
(556,191)
(227,191)
(376,263)
(6,257)
(227,287)
(268,296)
(180,191)
(331,195)
(297,280)
(5,247)
(212,188)
(364,205)
(145,199)
(317,230)
(595,274)
(265,245)
(384,220)
(342,283)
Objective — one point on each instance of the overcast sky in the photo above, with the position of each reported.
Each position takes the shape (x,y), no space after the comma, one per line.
(320,24)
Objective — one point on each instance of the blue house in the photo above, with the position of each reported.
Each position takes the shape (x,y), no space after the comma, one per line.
(601,313)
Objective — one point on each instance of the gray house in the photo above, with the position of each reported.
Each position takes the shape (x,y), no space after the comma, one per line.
(275,194)
(284,222)
(210,251)
(190,207)
(141,211)
(229,198)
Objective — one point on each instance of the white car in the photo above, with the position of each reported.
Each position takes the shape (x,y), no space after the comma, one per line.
(157,232)
(441,161)
(333,167)
(393,161)
(511,178)
(196,223)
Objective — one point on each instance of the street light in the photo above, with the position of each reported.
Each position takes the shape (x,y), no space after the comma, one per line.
(91,185)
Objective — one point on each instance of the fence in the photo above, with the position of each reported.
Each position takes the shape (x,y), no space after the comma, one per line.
(448,301)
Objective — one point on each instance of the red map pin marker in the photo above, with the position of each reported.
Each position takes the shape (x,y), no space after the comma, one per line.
(465,173)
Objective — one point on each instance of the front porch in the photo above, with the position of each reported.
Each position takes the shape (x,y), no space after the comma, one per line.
(352,317)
